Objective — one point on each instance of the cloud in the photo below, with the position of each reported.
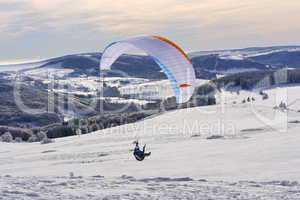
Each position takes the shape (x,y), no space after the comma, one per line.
(197,24)
(138,17)
(132,17)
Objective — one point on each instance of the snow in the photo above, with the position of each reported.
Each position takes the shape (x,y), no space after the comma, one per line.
(240,54)
(125,187)
(49,72)
(153,90)
(233,71)
(250,160)
(122,100)
(274,51)
(231,56)
(20,66)
(286,93)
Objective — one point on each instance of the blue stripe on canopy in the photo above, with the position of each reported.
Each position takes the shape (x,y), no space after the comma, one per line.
(171,77)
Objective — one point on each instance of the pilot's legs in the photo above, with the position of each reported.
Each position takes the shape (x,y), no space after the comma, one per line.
(147,154)
(144,148)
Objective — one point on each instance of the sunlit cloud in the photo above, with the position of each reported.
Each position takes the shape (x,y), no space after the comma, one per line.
(197,24)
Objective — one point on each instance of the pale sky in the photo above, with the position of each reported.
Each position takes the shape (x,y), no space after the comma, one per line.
(35,29)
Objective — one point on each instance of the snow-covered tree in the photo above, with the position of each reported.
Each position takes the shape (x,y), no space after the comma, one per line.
(41,135)
(46,140)
(43,138)
(18,140)
(33,138)
(7,137)
(84,130)
(78,132)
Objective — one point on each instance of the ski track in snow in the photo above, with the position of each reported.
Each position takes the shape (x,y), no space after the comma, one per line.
(126,187)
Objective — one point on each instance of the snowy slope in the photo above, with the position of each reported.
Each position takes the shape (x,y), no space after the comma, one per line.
(96,188)
(286,93)
(169,137)
(251,161)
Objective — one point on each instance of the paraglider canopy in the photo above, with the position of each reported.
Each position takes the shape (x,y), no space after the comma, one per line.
(168,55)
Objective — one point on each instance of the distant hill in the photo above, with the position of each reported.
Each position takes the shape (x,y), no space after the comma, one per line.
(240,66)
(213,64)
(280,59)
(248,59)
(207,64)
(88,64)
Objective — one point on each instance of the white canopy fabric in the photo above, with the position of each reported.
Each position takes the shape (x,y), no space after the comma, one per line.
(169,56)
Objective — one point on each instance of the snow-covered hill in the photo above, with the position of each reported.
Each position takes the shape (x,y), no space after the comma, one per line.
(245,147)
(220,152)
(238,54)
(175,138)
(207,63)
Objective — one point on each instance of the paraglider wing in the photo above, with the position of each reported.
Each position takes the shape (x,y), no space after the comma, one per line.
(169,56)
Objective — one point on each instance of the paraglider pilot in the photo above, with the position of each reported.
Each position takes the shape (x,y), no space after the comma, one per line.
(139,154)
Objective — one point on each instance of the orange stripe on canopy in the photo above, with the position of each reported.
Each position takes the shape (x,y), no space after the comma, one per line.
(185,85)
(174,45)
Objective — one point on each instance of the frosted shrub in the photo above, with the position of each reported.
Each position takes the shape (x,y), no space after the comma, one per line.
(84,130)
(33,138)
(7,137)
(46,140)
(18,140)
(43,138)
(41,135)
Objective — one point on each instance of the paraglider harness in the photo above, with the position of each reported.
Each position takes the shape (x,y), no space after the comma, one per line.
(140,154)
